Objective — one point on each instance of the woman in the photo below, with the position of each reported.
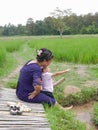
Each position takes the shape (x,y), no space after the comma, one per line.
(30,79)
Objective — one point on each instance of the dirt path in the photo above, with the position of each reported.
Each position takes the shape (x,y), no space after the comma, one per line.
(19,65)
(84,113)
(12,74)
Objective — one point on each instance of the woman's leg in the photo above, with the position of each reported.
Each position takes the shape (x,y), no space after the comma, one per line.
(40,98)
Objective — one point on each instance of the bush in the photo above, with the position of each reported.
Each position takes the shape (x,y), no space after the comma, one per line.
(86,95)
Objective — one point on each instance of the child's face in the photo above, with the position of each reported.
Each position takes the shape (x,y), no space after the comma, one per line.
(46,69)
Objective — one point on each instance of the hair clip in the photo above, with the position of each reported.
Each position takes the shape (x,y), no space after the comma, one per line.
(39,52)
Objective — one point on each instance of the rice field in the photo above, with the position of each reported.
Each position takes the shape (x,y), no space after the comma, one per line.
(82,50)
(8,46)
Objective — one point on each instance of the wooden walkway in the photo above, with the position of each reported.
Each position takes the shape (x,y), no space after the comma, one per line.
(34,120)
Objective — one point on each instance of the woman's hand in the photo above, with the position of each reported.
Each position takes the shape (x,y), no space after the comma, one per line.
(35,92)
(32,95)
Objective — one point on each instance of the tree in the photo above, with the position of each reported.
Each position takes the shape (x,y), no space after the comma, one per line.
(49,30)
(59,23)
(21,30)
(29,26)
(1,30)
(39,28)
(9,30)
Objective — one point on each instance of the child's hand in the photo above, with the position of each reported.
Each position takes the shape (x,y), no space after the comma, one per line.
(67,70)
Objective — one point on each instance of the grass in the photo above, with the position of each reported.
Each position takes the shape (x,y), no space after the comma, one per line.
(95,114)
(7,65)
(82,50)
(61,120)
(2,56)
(94,72)
(7,48)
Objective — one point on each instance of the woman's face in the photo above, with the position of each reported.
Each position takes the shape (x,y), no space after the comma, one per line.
(46,63)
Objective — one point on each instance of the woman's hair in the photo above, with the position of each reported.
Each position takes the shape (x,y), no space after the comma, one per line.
(44,54)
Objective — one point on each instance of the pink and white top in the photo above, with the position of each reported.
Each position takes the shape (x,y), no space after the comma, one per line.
(47,82)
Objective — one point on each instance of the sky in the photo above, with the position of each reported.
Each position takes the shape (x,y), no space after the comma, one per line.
(18,11)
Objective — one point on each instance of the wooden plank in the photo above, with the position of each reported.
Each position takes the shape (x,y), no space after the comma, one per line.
(34,107)
(34,120)
(34,123)
(22,118)
(23,128)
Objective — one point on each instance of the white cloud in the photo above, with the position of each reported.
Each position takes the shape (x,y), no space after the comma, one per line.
(18,11)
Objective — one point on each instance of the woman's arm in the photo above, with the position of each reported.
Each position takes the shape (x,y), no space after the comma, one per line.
(35,92)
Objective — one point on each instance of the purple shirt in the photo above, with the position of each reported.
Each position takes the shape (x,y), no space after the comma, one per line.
(30,76)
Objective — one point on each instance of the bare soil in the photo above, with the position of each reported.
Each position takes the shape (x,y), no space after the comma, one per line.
(84,114)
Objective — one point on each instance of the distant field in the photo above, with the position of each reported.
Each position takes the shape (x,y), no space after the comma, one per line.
(71,49)
(76,49)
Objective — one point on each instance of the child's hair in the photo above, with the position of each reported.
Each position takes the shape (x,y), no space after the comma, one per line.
(44,54)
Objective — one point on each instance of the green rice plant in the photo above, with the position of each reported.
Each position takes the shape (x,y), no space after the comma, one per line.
(11,45)
(8,64)
(74,49)
(2,56)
